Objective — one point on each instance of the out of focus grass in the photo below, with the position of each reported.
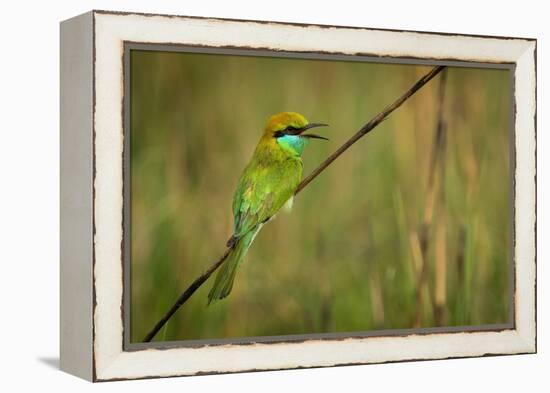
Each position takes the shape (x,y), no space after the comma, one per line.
(344,259)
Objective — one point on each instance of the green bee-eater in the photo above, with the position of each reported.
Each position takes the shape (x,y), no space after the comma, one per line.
(267,183)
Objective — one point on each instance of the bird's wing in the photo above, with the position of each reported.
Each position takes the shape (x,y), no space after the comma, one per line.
(252,203)
(262,191)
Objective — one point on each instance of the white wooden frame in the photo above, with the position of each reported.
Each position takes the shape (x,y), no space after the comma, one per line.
(92,89)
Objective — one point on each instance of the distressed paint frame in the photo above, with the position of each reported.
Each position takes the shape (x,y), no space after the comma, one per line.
(95,349)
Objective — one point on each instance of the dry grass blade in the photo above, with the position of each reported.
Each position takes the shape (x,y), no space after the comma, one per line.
(436,162)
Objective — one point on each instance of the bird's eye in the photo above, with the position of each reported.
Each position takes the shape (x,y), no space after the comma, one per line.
(290,128)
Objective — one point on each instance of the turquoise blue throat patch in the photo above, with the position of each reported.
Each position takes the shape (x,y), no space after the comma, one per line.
(292,143)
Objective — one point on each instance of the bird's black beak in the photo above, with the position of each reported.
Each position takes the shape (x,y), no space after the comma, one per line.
(313,136)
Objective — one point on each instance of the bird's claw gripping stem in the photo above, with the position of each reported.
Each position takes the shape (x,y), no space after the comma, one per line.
(232,241)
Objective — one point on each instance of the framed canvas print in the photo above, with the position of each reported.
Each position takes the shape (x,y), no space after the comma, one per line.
(246,195)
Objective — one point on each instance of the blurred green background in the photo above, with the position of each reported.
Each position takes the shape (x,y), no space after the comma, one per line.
(370,244)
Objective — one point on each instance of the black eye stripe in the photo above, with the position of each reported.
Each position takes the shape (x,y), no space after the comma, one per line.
(286,131)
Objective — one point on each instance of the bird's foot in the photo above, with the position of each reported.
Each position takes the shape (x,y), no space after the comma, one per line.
(232,241)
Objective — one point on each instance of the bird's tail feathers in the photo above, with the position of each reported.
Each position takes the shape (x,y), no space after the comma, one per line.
(226,275)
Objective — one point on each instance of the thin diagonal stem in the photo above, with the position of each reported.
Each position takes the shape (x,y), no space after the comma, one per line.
(186,295)
(376,120)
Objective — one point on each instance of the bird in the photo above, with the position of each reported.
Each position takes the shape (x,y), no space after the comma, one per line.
(267,183)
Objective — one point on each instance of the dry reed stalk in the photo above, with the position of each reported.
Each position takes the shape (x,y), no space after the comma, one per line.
(440,271)
(433,187)
(377,300)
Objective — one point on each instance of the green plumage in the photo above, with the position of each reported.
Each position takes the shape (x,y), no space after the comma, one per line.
(266,184)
